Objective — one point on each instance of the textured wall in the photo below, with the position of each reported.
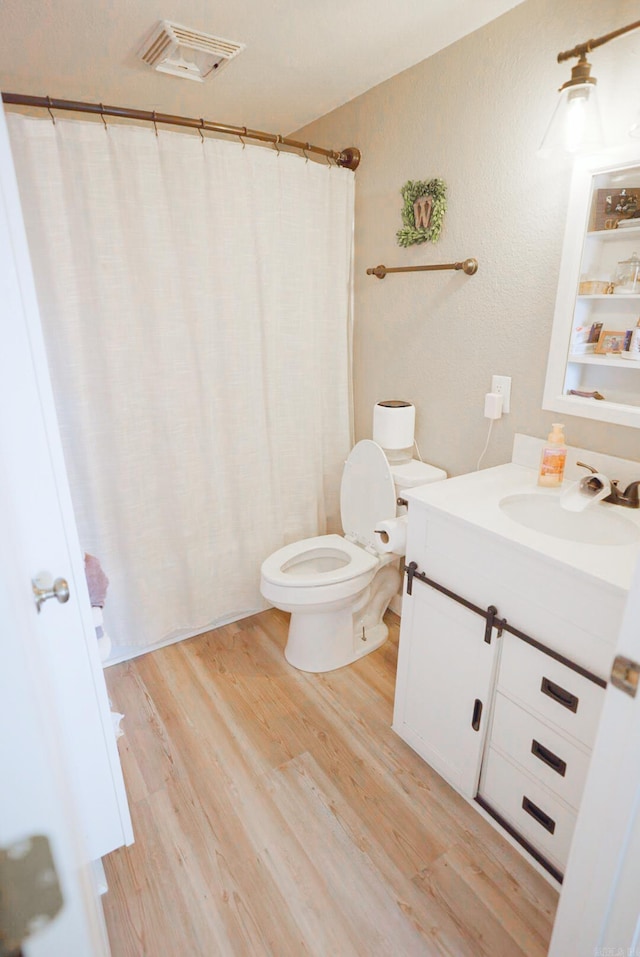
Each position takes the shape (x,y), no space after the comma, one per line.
(474,114)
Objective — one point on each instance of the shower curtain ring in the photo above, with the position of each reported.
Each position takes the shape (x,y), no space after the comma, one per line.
(155,125)
(200,130)
(244,133)
(53,119)
(304,149)
(102,117)
(277,139)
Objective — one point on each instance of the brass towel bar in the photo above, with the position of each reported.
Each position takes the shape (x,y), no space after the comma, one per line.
(470,266)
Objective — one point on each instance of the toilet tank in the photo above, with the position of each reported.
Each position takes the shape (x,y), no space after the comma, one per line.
(414,473)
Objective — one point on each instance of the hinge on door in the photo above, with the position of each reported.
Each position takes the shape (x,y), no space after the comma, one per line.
(625,674)
(30,895)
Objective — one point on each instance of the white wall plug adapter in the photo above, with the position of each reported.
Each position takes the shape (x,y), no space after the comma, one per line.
(493,405)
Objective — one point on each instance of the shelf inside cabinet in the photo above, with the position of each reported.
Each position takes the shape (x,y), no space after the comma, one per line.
(612,360)
(627,297)
(615,413)
(614,234)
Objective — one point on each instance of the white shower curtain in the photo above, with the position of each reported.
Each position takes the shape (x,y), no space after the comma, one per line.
(196,304)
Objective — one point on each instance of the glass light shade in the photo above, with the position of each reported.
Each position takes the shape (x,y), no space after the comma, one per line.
(575,126)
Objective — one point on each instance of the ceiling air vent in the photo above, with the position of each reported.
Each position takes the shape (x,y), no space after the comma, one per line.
(183,52)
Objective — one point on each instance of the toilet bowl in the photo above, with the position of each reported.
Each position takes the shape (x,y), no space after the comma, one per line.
(338,587)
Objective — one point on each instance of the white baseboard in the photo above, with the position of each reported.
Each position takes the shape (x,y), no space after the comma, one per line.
(120,653)
(99,876)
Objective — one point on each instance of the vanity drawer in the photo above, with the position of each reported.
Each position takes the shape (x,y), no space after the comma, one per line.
(556,692)
(538,816)
(544,754)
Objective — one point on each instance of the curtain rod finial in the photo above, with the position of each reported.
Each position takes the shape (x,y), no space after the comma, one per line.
(350,158)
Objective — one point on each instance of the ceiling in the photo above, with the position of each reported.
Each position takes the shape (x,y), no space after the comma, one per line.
(303,58)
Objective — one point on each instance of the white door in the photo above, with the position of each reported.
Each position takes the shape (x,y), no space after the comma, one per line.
(37,519)
(33,802)
(599,910)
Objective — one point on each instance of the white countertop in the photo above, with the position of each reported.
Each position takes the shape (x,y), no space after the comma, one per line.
(475,498)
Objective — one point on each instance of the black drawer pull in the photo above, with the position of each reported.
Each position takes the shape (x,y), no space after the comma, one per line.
(548,757)
(543,819)
(561,695)
(477,714)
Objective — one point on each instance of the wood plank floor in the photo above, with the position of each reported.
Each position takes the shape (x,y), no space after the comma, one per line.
(276,813)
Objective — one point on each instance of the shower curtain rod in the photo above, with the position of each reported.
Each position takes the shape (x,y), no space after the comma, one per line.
(348,158)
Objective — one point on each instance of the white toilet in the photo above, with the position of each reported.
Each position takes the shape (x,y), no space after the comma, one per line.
(338,588)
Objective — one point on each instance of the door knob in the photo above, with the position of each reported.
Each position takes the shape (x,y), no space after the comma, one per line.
(44,589)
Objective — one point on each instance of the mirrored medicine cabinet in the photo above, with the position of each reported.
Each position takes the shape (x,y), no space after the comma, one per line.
(593,350)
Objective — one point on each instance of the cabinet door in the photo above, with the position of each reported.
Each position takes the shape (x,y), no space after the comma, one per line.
(444,684)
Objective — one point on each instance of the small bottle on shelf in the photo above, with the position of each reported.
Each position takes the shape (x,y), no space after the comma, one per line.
(553,458)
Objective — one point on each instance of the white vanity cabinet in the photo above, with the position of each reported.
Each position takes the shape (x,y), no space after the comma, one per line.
(502,666)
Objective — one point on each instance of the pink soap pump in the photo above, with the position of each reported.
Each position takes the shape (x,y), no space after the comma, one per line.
(553,458)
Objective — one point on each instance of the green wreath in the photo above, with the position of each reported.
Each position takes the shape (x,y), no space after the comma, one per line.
(436,189)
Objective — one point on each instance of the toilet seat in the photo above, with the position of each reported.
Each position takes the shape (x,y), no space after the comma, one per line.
(313,562)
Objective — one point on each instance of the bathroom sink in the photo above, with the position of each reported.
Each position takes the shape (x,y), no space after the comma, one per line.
(597,525)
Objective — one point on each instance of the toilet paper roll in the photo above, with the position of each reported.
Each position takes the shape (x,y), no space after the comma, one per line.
(391,535)
(393,424)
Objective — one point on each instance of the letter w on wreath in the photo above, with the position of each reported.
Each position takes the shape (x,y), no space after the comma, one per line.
(422,212)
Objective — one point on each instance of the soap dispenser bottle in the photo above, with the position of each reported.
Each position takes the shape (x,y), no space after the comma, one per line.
(553,458)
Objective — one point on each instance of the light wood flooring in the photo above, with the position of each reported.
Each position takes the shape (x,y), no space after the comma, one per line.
(276,813)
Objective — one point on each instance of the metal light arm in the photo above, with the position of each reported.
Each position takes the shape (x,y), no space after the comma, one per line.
(581,49)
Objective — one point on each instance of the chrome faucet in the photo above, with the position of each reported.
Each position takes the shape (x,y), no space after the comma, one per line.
(630,498)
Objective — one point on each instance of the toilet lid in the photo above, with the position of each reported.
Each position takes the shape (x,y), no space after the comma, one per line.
(367,493)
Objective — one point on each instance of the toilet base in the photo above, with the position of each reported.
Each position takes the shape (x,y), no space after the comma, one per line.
(326,640)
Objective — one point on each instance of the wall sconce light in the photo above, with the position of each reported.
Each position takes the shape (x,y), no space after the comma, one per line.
(575,124)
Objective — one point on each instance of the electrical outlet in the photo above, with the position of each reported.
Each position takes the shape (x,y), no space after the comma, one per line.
(502,385)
